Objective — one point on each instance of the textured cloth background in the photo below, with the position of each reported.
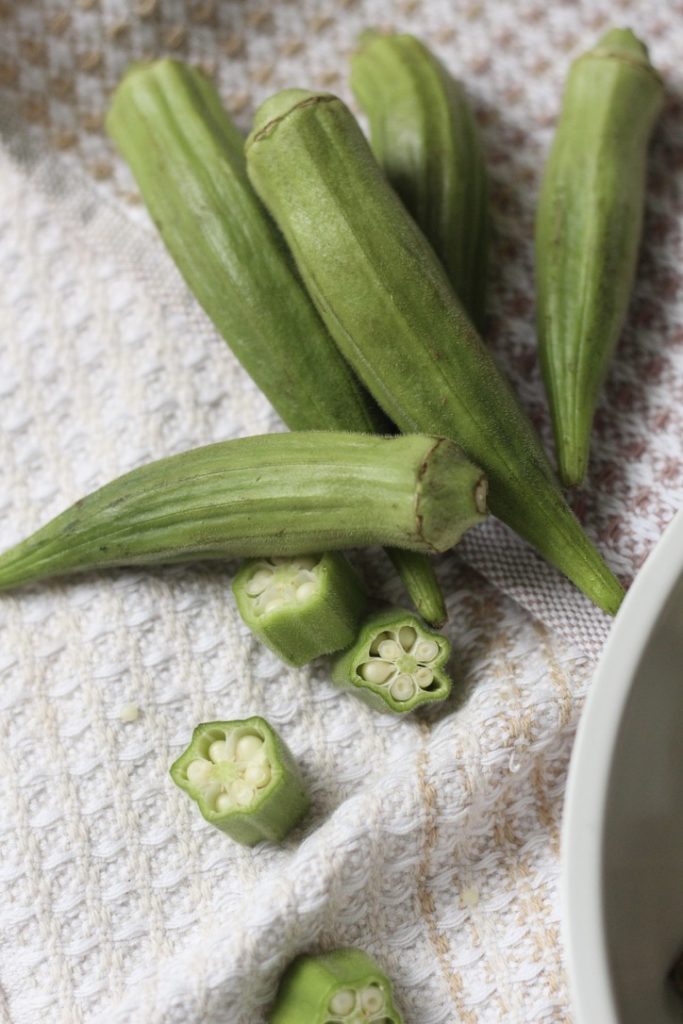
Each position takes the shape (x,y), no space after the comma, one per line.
(432,842)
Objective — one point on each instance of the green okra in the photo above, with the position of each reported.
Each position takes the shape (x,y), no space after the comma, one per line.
(187,157)
(395,663)
(425,138)
(391,309)
(588,231)
(300,606)
(243,779)
(275,494)
(417,572)
(344,986)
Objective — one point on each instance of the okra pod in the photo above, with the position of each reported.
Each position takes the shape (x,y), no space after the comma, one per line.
(588,231)
(344,986)
(243,779)
(425,138)
(391,309)
(395,663)
(301,606)
(276,494)
(187,157)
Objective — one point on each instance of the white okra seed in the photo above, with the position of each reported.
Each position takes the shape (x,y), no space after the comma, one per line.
(423,677)
(307,563)
(198,771)
(342,1002)
(306,591)
(372,999)
(224,803)
(407,637)
(247,747)
(402,687)
(219,751)
(242,793)
(376,671)
(273,605)
(426,650)
(258,582)
(257,775)
(390,650)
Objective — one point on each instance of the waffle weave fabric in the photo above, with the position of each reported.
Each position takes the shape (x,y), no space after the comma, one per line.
(433,843)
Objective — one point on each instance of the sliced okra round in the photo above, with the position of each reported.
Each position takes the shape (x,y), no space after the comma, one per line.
(396,662)
(243,779)
(300,606)
(344,986)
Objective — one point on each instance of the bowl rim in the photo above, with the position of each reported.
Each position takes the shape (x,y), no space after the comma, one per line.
(581,889)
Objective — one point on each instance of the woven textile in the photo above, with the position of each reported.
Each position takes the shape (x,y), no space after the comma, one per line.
(432,842)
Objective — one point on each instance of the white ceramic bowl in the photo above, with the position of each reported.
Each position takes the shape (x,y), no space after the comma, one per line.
(622,838)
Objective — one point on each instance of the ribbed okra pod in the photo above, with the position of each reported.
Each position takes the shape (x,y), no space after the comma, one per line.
(588,230)
(243,779)
(188,160)
(276,494)
(425,138)
(393,313)
(344,986)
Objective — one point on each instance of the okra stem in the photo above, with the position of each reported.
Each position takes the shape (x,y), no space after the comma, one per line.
(277,494)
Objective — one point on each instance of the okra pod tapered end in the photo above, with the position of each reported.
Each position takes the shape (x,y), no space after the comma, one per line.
(419,579)
(396,663)
(243,779)
(301,606)
(344,986)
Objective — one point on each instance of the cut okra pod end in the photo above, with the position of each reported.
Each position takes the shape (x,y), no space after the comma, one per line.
(396,663)
(344,986)
(301,606)
(243,779)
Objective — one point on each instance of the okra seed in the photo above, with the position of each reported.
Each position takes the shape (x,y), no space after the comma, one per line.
(258,582)
(372,999)
(242,793)
(390,650)
(342,1002)
(224,803)
(198,771)
(376,672)
(273,605)
(402,687)
(219,751)
(424,677)
(407,637)
(426,650)
(257,775)
(306,591)
(247,747)
(379,639)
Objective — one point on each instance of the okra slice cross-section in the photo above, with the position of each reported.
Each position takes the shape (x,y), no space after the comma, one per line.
(344,986)
(396,662)
(243,779)
(300,606)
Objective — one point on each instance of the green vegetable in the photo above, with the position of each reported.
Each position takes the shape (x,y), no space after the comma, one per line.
(243,779)
(419,578)
(277,494)
(394,315)
(425,138)
(588,230)
(344,986)
(395,663)
(300,606)
(188,160)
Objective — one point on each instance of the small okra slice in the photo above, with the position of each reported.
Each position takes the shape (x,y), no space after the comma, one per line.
(243,779)
(344,986)
(396,662)
(300,606)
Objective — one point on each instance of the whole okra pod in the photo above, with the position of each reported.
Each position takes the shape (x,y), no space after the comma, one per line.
(187,157)
(243,779)
(392,311)
(344,986)
(425,138)
(276,494)
(588,230)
